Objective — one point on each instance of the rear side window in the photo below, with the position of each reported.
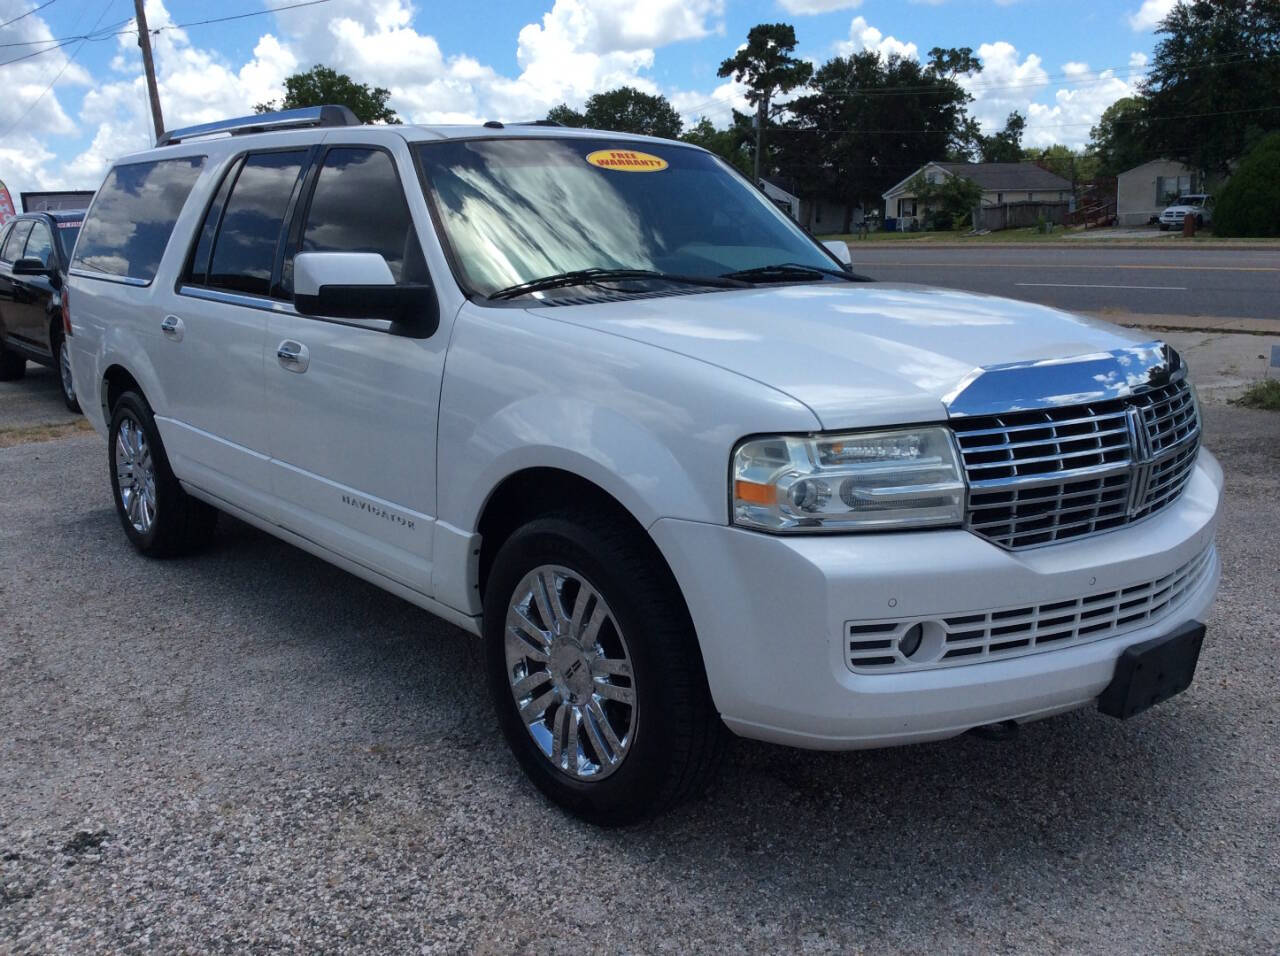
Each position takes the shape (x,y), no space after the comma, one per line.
(359,206)
(244,250)
(40,245)
(127,229)
(17,238)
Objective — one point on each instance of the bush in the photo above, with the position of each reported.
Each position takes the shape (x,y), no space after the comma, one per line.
(1250,203)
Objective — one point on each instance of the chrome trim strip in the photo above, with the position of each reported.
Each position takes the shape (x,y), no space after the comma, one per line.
(108,277)
(238,298)
(1056,383)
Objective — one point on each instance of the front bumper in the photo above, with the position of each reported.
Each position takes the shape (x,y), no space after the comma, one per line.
(771,614)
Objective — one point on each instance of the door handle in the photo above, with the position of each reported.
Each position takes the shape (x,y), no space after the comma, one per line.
(292,356)
(172,327)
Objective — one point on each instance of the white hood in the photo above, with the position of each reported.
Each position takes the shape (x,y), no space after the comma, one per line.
(857,355)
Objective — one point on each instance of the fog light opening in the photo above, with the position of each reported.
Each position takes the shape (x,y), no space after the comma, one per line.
(910,642)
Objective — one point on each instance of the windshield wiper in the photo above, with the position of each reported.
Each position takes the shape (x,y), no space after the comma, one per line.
(588,276)
(791,271)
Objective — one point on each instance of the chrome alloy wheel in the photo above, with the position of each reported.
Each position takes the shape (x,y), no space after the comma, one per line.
(135,475)
(64,364)
(570,673)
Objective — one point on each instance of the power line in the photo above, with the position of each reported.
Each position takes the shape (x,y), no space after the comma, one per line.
(109,33)
(71,59)
(27,14)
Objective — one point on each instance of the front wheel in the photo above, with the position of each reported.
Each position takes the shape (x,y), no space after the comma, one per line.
(62,351)
(159,517)
(595,672)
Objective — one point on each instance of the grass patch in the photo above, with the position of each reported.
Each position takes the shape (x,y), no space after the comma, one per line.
(1265,394)
(23,434)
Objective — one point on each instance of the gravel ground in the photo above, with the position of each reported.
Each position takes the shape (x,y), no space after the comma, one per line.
(252,751)
(34,399)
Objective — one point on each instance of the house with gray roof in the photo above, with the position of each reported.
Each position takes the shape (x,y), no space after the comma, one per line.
(1002,184)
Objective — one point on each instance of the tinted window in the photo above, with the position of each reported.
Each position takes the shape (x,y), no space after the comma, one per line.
(245,249)
(40,245)
(358,206)
(13,245)
(132,218)
(198,267)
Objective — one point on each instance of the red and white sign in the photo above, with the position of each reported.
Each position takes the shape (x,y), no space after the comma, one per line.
(7,211)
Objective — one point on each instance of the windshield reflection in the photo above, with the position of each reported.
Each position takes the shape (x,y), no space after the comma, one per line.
(516,210)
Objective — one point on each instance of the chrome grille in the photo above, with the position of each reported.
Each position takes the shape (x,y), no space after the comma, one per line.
(876,647)
(1050,474)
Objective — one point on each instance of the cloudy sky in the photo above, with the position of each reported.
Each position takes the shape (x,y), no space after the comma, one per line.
(67,111)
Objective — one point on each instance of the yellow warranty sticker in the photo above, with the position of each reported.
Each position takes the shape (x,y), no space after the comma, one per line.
(627,160)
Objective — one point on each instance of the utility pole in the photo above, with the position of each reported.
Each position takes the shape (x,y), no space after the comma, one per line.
(762,107)
(144,41)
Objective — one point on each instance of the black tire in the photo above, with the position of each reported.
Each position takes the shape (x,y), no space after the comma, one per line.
(677,737)
(1199,222)
(180,524)
(57,343)
(12,365)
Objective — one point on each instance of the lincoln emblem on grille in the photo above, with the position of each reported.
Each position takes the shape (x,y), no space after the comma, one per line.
(1143,459)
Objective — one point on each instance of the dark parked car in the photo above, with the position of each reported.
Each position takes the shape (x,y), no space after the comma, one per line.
(35,248)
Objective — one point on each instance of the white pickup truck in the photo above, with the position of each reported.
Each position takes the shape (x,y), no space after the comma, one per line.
(592,398)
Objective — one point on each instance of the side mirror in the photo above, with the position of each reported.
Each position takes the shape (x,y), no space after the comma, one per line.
(841,251)
(31,267)
(359,285)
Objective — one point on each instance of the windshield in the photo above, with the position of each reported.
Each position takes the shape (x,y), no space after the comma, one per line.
(68,230)
(1190,201)
(516,210)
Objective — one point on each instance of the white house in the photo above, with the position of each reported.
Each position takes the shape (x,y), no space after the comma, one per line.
(1002,183)
(1143,192)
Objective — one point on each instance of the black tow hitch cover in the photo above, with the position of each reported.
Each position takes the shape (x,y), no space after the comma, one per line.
(1153,671)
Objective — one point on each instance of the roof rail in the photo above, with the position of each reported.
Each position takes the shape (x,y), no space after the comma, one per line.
(264,122)
(539,122)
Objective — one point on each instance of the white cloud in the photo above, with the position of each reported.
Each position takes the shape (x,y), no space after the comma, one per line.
(863,36)
(25,82)
(806,7)
(1075,109)
(1007,82)
(1150,14)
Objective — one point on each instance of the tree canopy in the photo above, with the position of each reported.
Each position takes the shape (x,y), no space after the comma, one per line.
(1215,75)
(1249,205)
(323,86)
(1120,139)
(1006,145)
(623,110)
(869,122)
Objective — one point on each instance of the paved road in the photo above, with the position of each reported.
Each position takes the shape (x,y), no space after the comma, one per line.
(1240,283)
(250,751)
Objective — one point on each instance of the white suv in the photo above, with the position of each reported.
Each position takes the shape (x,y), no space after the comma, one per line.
(592,398)
(1199,206)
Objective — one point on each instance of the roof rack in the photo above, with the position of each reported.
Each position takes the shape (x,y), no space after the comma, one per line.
(265,122)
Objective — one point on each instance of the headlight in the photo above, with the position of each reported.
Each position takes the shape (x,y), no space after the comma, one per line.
(861,481)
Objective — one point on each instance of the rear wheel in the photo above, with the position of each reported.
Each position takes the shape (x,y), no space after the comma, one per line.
(12,365)
(62,352)
(595,672)
(159,517)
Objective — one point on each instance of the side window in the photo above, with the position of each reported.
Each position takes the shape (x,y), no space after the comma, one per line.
(17,239)
(359,206)
(133,215)
(244,250)
(197,270)
(40,245)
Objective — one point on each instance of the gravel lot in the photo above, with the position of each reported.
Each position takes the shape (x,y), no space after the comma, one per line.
(252,751)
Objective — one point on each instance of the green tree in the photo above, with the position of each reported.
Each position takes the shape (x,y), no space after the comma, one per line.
(1120,138)
(949,200)
(954,61)
(729,144)
(869,122)
(624,110)
(766,66)
(566,115)
(322,86)
(1249,205)
(1215,73)
(1071,165)
(1006,145)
